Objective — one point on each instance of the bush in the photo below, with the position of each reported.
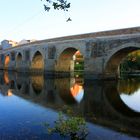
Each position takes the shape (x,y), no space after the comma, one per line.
(73,127)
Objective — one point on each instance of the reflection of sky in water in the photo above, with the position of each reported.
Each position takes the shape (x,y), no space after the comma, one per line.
(9,92)
(21,119)
(132,101)
(77,92)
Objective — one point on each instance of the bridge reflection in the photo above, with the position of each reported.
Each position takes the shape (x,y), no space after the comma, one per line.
(98,101)
(130,95)
(37,83)
(77,92)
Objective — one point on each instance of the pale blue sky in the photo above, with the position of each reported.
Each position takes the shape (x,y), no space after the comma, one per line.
(27,19)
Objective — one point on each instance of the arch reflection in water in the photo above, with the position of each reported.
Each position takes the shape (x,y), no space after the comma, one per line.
(113,96)
(77,91)
(70,90)
(37,83)
(6,77)
(130,93)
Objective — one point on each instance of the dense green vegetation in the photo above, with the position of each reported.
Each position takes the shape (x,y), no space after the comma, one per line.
(79,66)
(131,63)
(69,126)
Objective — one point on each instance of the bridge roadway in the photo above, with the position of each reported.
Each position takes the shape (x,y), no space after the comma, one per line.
(101,52)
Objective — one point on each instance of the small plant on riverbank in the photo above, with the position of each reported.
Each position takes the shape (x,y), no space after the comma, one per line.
(73,127)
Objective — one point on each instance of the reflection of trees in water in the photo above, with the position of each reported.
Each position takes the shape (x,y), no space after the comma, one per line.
(114,101)
(128,86)
(37,83)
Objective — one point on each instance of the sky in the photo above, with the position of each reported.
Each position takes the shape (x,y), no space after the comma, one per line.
(27,19)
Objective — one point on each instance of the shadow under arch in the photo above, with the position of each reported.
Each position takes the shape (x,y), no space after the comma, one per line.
(114,99)
(6,61)
(18,60)
(19,57)
(68,59)
(115,58)
(37,63)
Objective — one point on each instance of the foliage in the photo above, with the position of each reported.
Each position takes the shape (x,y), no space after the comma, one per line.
(79,66)
(73,127)
(131,62)
(128,86)
(56,4)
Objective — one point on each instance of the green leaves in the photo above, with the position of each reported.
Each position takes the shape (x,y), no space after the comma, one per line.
(63,5)
(73,127)
(57,5)
(46,8)
(131,62)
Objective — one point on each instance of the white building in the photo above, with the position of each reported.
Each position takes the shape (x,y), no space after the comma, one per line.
(24,41)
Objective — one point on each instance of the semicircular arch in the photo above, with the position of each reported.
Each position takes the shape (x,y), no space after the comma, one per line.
(37,61)
(19,56)
(66,48)
(69,59)
(115,57)
(36,53)
(6,61)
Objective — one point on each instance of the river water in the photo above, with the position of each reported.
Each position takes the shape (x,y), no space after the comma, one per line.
(110,108)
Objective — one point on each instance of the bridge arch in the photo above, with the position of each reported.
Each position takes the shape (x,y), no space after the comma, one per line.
(37,62)
(116,56)
(18,60)
(19,57)
(68,58)
(6,61)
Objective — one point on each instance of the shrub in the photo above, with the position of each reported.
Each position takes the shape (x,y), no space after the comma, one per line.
(73,127)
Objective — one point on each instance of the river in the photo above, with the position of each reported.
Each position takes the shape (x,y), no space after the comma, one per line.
(110,108)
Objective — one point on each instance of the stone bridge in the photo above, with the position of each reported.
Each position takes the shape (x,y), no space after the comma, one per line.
(101,53)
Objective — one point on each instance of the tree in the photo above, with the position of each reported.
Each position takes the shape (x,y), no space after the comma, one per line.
(57,5)
(71,127)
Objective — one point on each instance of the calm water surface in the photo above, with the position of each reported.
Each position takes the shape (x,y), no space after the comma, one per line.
(27,102)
